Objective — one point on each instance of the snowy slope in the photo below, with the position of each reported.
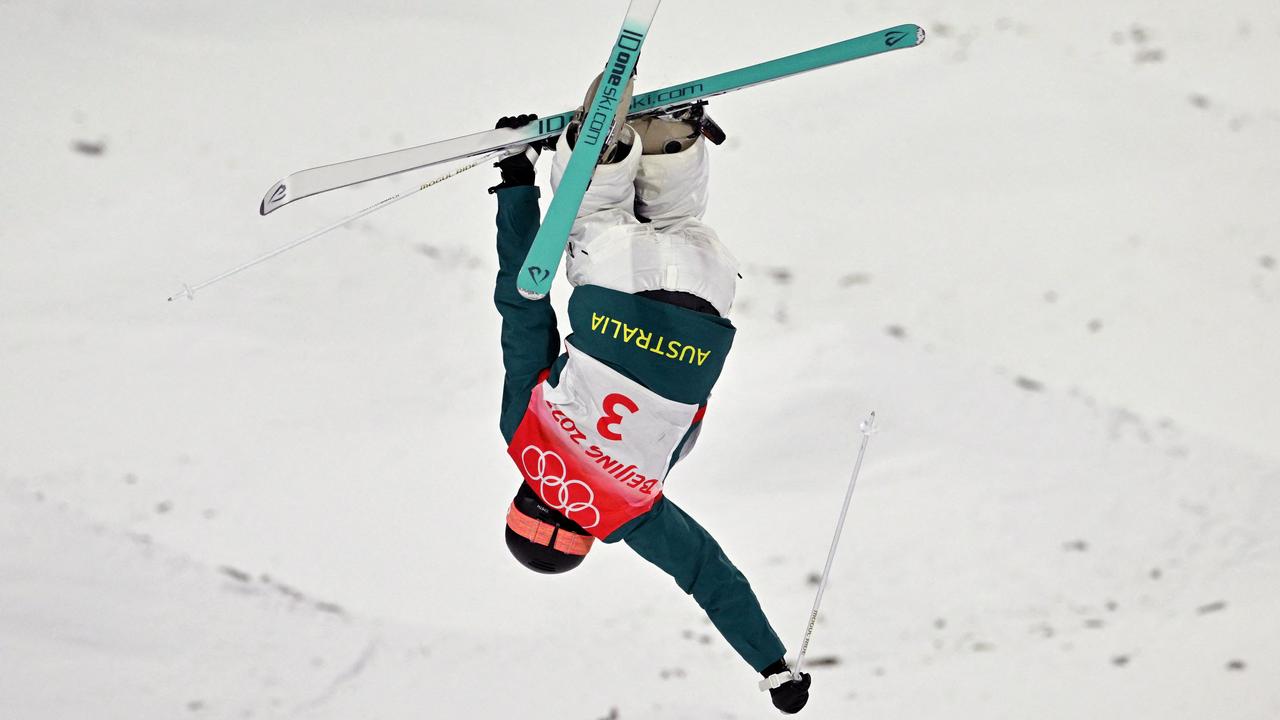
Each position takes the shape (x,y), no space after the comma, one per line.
(1043,246)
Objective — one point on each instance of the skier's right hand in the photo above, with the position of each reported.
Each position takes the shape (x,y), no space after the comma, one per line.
(517,169)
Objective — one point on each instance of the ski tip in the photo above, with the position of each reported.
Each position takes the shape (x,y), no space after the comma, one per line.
(276,197)
(530,294)
(903,36)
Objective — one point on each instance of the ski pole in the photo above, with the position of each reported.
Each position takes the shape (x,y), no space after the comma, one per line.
(867,427)
(189,291)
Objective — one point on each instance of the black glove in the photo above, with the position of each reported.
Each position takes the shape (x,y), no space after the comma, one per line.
(789,697)
(517,170)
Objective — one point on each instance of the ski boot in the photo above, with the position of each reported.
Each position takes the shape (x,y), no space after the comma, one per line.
(675,130)
(615,145)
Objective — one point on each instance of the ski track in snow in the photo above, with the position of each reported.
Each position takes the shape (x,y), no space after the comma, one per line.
(1043,246)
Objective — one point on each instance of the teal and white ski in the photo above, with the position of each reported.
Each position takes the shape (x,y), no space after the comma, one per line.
(324,178)
(534,280)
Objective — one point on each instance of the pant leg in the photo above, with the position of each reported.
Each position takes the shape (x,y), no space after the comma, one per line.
(610,198)
(674,251)
(672,188)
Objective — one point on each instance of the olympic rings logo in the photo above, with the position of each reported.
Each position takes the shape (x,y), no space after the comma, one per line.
(549,470)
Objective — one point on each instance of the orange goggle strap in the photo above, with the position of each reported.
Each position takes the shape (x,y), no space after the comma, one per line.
(541,533)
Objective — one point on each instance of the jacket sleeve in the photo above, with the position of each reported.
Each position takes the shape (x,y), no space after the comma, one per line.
(670,539)
(530,340)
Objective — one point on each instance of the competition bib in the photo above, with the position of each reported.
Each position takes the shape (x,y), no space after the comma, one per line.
(597,446)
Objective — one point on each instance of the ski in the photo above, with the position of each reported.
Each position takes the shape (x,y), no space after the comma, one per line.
(313,181)
(540,263)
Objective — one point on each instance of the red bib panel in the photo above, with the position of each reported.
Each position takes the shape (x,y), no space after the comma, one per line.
(597,446)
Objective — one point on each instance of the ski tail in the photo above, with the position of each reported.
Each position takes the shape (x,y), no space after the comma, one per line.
(543,259)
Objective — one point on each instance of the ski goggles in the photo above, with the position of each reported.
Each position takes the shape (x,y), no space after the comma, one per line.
(542,533)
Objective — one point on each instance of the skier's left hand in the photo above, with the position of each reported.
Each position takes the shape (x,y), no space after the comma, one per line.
(790,697)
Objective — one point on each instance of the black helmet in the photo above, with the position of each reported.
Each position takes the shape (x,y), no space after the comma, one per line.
(541,538)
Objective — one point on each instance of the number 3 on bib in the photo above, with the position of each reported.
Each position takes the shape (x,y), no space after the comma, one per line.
(611,417)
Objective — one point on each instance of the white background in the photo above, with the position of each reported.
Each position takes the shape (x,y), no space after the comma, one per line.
(1044,246)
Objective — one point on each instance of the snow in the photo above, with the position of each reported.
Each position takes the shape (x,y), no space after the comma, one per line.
(1043,246)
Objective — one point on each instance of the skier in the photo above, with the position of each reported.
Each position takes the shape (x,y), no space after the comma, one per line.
(594,430)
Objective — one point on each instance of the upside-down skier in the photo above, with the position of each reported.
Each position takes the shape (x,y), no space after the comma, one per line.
(595,429)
